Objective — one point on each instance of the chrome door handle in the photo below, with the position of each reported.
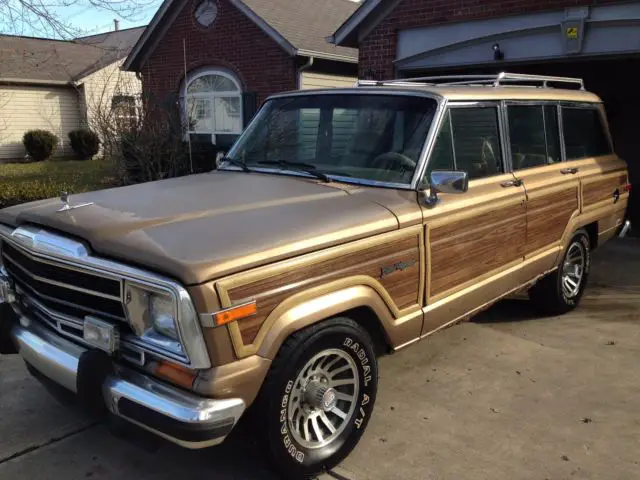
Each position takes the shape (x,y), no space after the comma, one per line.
(511,183)
(616,196)
(567,171)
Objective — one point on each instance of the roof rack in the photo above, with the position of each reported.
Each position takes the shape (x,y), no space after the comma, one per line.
(501,79)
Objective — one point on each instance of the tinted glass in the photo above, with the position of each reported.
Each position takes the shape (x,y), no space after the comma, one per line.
(476,141)
(534,135)
(373,137)
(553,134)
(584,133)
(527,136)
(441,157)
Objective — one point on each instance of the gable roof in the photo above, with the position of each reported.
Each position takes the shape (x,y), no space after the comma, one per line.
(362,21)
(300,27)
(47,61)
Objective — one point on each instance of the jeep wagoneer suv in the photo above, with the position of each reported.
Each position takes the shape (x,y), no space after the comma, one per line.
(343,224)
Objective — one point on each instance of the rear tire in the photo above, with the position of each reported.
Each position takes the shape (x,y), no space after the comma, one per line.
(317,398)
(561,291)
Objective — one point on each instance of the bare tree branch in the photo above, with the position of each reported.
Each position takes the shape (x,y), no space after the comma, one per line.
(46,17)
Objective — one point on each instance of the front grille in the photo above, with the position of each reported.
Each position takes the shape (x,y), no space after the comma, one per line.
(63,289)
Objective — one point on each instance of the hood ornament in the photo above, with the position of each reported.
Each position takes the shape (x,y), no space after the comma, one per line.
(64,198)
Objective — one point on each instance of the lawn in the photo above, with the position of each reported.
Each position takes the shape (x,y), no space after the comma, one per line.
(25,182)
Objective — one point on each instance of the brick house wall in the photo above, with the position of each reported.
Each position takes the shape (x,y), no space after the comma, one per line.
(378,49)
(233,42)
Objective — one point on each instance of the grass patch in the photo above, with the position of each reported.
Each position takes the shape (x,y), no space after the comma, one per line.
(26,182)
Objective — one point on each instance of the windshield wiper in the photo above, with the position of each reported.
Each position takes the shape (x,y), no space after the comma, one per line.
(237,163)
(298,166)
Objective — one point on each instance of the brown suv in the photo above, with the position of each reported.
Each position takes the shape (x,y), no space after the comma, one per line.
(343,224)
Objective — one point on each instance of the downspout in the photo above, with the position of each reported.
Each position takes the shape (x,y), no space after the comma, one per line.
(304,67)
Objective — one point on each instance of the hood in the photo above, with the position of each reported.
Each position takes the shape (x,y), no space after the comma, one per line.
(201,227)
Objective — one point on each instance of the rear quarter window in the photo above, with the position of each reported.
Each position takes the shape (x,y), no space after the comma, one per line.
(584,133)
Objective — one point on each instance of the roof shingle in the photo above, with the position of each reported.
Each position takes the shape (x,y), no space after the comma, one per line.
(46,60)
(306,24)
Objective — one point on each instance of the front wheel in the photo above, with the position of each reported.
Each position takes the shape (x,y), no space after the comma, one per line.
(318,397)
(561,291)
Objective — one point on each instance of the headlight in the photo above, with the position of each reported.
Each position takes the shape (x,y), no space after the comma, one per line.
(161,309)
(153,315)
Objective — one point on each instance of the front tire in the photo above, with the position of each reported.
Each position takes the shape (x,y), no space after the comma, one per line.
(318,397)
(561,291)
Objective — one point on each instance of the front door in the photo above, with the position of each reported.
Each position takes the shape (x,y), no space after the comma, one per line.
(475,242)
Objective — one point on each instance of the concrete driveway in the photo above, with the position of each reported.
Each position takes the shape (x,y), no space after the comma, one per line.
(507,396)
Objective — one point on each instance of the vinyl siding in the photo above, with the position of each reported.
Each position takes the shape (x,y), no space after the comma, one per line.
(100,87)
(320,80)
(25,108)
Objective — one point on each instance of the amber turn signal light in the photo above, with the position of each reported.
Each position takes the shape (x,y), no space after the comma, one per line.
(235,313)
(175,374)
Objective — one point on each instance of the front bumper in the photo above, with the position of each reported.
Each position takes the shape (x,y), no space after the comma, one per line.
(180,417)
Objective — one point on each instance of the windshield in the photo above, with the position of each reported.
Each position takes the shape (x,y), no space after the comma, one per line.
(364,136)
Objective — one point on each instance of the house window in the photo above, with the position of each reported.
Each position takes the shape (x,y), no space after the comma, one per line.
(124,107)
(213,104)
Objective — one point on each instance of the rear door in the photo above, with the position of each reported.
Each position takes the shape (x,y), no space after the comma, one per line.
(590,158)
(474,241)
(535,152)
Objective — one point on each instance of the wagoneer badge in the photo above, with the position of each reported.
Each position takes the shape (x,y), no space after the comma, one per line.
(64,198)
(396,267)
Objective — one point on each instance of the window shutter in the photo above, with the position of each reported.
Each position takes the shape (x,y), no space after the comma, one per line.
(249,107)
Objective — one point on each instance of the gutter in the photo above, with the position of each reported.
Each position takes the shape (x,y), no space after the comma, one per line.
(327,56)
(304,67)
(25,81)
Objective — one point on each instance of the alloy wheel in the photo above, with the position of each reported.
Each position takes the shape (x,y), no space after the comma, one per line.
(573,270)
(323,398)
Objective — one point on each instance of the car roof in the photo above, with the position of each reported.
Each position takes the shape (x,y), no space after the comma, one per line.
(464,92)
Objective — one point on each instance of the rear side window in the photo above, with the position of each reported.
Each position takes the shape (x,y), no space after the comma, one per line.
(469,140)
(534,136)
(584,133)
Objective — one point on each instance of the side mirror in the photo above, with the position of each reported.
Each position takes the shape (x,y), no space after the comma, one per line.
(445,182)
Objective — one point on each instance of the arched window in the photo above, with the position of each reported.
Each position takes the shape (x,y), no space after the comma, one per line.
(213,104)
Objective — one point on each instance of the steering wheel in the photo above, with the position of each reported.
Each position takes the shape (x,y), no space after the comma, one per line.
(394,161)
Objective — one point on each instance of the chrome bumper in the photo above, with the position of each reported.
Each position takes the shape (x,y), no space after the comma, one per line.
(179,416)
(625,229)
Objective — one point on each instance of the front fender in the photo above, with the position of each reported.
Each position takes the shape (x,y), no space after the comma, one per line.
(398,330)
(316,304)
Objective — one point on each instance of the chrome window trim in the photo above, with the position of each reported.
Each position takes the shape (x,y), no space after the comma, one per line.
(563,147)
(357,91)
(505,138)
(191,336)
(497,104)
(429,142)
(541,104)
(420,165)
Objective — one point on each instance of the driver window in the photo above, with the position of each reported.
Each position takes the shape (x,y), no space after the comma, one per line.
(469,140)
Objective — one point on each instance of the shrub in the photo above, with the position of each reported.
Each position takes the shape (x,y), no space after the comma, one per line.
(40,144)
(85,143)
(151,147)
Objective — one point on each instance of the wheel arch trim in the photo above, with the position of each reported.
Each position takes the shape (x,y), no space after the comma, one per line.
(329,300)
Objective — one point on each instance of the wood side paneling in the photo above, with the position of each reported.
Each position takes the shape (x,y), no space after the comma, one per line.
(600,190)
(402,285)
(466,249)
(548,216)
